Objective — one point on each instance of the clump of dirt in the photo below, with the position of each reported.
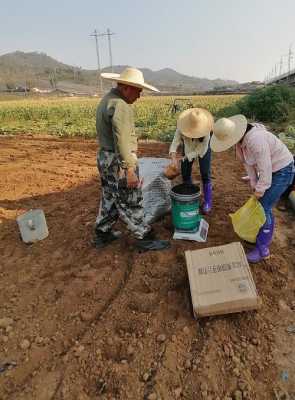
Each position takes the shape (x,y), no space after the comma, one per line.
(77,323)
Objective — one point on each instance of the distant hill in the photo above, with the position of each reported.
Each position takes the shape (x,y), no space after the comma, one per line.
(35,69)
(40,70)
(168,80)
(31,62)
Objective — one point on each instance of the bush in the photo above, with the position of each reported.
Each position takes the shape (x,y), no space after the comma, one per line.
(270,104)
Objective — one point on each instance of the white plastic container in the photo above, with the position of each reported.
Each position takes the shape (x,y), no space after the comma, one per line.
(32,226)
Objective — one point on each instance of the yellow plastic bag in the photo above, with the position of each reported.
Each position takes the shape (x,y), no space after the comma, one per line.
(248,220)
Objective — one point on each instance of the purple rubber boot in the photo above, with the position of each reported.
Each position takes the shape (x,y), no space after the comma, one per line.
(263,240)
(207,204)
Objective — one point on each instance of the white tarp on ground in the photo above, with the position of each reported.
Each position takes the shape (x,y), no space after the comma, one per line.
(156,187)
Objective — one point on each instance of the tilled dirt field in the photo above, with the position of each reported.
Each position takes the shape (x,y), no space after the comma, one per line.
(83,324)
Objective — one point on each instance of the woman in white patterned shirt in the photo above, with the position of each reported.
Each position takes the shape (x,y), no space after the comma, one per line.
(193,134)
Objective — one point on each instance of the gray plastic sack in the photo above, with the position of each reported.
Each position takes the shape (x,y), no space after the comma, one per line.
(156,187)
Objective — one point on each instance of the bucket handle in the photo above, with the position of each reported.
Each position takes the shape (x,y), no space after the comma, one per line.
(31,224)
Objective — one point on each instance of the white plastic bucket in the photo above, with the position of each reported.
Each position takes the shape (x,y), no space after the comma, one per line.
(32,226)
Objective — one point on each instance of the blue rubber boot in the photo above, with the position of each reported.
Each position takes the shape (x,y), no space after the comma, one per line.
(263,240)
(207,204)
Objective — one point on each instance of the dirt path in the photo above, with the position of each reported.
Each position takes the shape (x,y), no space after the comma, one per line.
(83,325)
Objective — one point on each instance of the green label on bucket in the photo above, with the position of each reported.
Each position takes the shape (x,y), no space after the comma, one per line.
(185,216)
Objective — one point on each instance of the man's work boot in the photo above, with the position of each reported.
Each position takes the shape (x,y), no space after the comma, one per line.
(263,240)
(102,239)
(207,203)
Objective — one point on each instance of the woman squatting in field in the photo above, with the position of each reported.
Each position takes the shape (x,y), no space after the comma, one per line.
(267,161)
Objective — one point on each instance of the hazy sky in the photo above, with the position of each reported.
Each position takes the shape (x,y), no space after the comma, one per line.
(231,39)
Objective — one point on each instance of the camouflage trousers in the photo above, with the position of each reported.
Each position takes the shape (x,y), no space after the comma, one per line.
(117,200)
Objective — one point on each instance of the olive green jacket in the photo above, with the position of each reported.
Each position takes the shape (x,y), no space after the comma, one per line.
(115,128)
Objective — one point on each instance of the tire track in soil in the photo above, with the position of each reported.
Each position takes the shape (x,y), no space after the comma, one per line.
(100,315)
(79,337)
(121,308)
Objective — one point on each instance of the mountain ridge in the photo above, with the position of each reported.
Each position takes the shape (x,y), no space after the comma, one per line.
(37,69)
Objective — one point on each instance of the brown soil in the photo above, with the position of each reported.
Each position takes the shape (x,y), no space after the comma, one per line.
(116,324)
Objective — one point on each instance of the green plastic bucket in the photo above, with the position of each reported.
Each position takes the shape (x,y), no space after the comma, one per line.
(185,207)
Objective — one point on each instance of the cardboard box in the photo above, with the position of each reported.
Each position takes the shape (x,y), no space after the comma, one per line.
(220,280)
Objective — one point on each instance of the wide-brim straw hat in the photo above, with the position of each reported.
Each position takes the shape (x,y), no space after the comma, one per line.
(195,123)
(130,76)
(227,132)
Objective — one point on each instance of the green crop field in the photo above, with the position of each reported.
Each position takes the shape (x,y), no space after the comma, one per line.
(155,117)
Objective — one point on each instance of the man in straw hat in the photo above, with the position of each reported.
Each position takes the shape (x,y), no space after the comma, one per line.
(117,162)
(193,133)
(268,163)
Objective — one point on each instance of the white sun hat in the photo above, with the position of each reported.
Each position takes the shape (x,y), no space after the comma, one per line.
(130,76)
(195,123)
(228,132)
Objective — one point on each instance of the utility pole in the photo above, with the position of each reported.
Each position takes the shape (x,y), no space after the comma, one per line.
(281,65)
(109,34)
(278,69)
(290,57)
(110,48)
(99,80)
